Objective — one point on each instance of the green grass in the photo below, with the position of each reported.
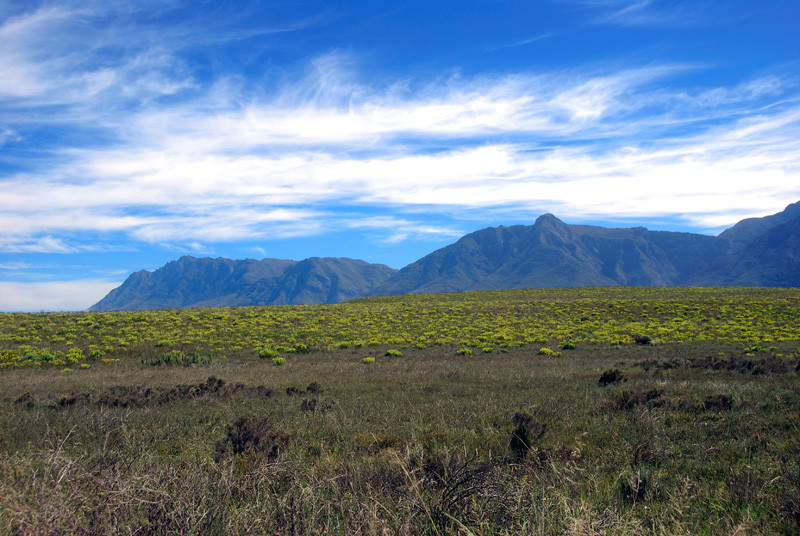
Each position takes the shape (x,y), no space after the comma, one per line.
(691,437)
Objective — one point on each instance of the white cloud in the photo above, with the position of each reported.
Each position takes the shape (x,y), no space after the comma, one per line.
(648,12)
(221,168)
(44,244)
(396,230)
(15,266)
(75,295)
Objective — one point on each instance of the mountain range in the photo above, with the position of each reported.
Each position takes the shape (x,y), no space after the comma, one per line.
(549,253)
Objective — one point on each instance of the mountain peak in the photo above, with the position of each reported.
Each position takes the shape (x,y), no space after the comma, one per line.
(749,229)
(548,219)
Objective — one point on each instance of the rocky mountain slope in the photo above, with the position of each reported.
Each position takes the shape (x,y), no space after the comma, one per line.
(205,282)
(549,253)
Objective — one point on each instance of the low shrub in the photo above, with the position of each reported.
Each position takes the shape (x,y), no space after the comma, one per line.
(718,402)
(642,339)
(309,404)
(268,353)
(611,377)
(278,361)
(177,358)
(394,353)
(252,435)
(548,351)
(526,432)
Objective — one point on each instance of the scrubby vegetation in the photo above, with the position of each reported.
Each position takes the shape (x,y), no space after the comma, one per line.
(692,431)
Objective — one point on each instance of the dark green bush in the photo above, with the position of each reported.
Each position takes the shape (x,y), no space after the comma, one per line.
(609,377)
(256,435)
(526,432)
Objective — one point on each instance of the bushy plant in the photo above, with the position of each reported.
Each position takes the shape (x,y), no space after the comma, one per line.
(643,339)
(526,432)
(548,351)
(177,358)
(314,388)
(718,402)
(268,353)
(256,435)
(610,377)
(368,360)
(464,351)
(278,361)
(394,353)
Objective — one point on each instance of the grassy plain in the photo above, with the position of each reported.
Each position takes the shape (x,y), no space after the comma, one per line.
(493,418)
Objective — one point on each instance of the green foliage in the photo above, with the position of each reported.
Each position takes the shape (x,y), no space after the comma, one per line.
(368,360)
(759,318)
(268,353)
(278,361)
(178,358)
(464,351)
(394,353)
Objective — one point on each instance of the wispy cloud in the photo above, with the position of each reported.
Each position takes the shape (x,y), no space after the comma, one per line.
(272,167)
(662,13)
(36,244)
(233,160)
(522,42)
(15,266)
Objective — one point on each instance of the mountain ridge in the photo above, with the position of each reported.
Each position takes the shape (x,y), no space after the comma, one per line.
(550,253)
(221,282)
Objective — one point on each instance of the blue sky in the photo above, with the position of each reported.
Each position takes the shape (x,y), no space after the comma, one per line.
(134,132)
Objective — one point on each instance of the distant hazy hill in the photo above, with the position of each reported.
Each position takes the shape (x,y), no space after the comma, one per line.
(549,253)
(192,282)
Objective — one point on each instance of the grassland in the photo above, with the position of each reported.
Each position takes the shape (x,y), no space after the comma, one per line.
(551,411)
